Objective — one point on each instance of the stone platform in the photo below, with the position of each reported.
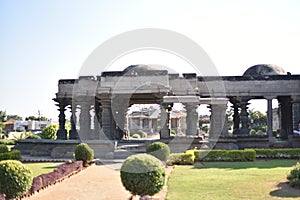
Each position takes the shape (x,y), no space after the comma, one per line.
(62,148)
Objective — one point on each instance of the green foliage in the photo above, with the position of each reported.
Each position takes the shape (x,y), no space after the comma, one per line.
(142,134)
(3,116)
(173,133)
(143,174)
(278,153)
(159,150)
(252,132)
(294,176)
(34,118)
(34,137)
(84,152)
(136,136)
(15,117)
(49,132)
(11,155)
(186,158)
(16,178)
(225,155)
(2,126)
(7,142)
(3,148)
(20,135)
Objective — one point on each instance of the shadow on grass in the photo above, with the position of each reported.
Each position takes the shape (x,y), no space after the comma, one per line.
(260,164)
(285,191)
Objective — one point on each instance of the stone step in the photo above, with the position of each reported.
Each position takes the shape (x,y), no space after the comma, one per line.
(123,154)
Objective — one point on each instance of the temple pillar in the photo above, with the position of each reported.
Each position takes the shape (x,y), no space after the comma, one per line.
(191,119)
(296,111)
(269,117)
(73,134)
(244,116)
(286,119)
(165,119)
(236,118)
(85,120)
(108,123)
(62,132)
(218,117)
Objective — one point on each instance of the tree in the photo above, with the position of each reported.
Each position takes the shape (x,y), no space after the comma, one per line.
(3,116)
(49,132)
(2,126)
(34,118)
(15,117)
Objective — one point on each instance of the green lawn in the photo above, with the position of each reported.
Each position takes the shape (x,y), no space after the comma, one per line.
(233,180)
(42,168)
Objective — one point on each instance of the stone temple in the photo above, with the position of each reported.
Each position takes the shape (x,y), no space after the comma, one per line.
(99,104)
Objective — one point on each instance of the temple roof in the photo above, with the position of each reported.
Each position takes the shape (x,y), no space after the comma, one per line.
(264,69)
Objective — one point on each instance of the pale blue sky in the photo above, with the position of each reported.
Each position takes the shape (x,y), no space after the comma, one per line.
(44,41)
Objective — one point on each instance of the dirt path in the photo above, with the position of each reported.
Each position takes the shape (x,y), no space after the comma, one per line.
(96,182)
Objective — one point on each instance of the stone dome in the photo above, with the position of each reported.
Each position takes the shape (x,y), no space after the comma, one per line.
(264,69)
(138,68)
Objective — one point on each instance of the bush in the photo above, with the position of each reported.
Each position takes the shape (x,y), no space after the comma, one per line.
(49,132)
(278,153)
(225,155)
(159,150)
(84,152)
(143,174)
(173,133)
(16,178)
(186,158)
(34,137)
(3,148)
(7,142)
(252,132)
(141,133)
(136,136)
(294,176)
(11,155)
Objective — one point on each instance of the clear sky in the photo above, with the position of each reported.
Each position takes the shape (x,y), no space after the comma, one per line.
(44,41)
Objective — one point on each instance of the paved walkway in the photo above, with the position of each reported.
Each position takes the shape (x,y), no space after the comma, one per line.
(97,182)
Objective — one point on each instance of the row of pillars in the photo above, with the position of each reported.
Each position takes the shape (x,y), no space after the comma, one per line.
(112,119)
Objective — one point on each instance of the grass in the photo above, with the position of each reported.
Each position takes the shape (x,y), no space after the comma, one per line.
(233,180)
(42,168)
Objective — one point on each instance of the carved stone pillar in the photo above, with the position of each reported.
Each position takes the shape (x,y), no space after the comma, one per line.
(62,132)
(236,119)
(218,117)
(165,119)
(296,111)
(191,119)
(73,134)
(120,118)
(269,117)
(244,117)
(286,120)
(85,120)
(108,123)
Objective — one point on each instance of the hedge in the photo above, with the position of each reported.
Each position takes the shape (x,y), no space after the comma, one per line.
(187,158)
(225,155)
(278,153)
(12,155)
(7,142)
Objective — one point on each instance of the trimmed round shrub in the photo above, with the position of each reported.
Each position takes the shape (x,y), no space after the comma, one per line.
(49,132)
(34,137)
(294,176)
(3,148)
(16,178)
(143,134)
(84,152)
(159,150)
(136,136)
(143,174)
